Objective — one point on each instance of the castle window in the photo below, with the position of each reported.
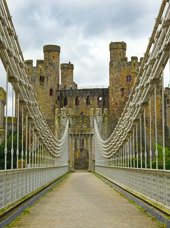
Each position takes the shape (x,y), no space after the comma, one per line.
(77,102)
(99,99)
(51,92)
(65,101)
(87,100)
(42,79)
(58,98)
(168,101)
(122,92)
(129,78)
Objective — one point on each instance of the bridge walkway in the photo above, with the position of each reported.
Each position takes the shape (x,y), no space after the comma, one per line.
(84,201)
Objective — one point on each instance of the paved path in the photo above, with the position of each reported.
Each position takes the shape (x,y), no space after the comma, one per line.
(84,201)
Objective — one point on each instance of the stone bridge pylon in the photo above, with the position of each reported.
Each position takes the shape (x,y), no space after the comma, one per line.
(81,135)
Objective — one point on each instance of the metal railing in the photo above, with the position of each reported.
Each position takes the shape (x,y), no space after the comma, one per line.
(33,157)
(151,185)
(16,184)
(137,144)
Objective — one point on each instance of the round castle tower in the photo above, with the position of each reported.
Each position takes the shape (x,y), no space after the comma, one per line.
(121,78)
(52,60)
(117,51)
(67,75)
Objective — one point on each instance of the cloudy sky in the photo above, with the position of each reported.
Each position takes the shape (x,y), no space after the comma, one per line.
(84,30)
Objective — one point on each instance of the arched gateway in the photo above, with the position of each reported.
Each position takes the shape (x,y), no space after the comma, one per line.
(81,159)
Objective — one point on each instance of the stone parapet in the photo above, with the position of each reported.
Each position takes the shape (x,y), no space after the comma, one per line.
(39,62)
(117,45)
(29,62)
(51,48)
(67,66)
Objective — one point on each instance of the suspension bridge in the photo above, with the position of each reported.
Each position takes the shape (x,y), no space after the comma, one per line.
(34,158)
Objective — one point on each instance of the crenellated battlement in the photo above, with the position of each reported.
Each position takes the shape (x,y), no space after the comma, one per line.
(67,66)
(39,62)
(29,62)
(51,48)
(117,51)
(117,45)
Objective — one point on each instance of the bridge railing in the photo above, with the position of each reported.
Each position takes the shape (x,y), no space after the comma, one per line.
(139,144)
(30,154)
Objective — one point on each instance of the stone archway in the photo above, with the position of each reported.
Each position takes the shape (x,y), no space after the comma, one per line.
(81,159)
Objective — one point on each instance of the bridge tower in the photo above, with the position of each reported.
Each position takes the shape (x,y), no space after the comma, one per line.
(121,78)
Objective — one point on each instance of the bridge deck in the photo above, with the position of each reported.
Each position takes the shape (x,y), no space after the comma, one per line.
(83,201)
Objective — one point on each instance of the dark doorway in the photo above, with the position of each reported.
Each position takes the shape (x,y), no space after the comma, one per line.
(81,159)
(77,102)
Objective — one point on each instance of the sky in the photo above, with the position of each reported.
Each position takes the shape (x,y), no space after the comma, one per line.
(83,30)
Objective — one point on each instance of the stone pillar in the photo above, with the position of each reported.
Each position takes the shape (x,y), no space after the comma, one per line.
(91,117)
(73,151)
(105,128)
(89,150)
(85,142)
(70,152)
(92,154)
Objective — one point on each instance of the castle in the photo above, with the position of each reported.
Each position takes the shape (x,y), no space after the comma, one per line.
(58,95)
(52,95)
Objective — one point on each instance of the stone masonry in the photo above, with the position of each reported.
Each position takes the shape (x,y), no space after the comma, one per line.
(121,78)
(45,79)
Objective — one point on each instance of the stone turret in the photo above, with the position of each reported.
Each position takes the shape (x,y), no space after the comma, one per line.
(121,79)
(2,106)
(67,76)
(51,60)
(45,80)
(117,51)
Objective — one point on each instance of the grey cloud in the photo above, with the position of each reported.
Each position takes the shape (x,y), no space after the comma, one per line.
(78,26)
(84,30)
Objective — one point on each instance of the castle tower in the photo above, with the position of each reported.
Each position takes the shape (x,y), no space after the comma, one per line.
(2,106)
(45,79)
(121,79)
(117,51)
(67,75)
(52,62)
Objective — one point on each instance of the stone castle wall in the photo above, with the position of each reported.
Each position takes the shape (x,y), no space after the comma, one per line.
(52,95)
(82,100)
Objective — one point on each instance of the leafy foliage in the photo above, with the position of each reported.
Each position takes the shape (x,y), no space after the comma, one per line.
(9,143)
(160,158)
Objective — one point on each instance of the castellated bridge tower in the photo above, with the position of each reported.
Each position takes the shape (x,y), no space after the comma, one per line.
(67,76)
(2,106)
(121,79)
(45,79)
